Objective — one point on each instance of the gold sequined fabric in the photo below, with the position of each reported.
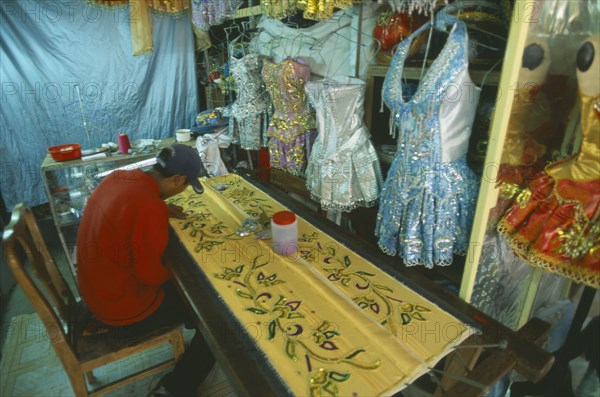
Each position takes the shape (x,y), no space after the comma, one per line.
(322,9)
(169,6)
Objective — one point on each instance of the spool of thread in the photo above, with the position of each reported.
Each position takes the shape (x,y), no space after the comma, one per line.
(284,229)
(123,144)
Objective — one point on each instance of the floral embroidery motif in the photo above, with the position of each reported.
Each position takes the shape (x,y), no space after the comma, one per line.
(373,297)
(209,232)
(289,322)
(244,198)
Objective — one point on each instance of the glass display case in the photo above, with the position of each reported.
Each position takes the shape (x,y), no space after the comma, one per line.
(537,124)
(68,185)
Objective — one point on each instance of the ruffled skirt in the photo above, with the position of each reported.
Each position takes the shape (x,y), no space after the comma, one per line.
(426,212)
(349,181)
(555,232)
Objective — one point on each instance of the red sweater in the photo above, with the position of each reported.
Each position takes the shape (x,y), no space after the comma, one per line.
(122,236)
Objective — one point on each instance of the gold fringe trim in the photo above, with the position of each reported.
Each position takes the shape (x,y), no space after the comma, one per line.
(522,247)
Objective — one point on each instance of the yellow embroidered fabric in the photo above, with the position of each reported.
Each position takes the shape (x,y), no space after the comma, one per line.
(330,322)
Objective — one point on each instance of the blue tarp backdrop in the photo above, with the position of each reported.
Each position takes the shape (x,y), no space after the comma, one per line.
(67,76)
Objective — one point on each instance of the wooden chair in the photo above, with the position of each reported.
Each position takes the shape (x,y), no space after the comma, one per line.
(66,319)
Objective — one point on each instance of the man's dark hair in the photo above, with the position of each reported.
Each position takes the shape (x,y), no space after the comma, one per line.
(164,155)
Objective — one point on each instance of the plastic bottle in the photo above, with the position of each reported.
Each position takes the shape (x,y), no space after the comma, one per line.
(284,229)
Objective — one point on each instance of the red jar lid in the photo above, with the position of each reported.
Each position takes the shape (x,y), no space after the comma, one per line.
(284,217)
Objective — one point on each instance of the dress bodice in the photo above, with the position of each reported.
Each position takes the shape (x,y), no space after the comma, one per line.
(436,121)
(340,108)
(251,94)
(285,83)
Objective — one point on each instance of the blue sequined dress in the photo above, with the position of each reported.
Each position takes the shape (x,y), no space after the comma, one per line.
(428,199)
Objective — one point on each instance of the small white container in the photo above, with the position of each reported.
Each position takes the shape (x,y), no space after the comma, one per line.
(183,135)
(284,231)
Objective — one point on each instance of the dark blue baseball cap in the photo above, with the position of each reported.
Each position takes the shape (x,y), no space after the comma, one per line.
(183,160)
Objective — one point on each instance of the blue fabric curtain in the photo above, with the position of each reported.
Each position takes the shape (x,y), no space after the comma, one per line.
(67,76)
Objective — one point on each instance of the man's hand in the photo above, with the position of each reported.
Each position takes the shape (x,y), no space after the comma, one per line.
(175,211)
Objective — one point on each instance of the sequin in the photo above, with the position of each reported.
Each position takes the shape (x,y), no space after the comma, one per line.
(428,199)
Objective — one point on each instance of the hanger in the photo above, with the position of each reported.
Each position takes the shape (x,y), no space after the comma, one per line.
(248,32)
(485,76)
(292,54)
(229,30)
(240,45)
(291,24)
(478,6)
(273,44)
(441,22)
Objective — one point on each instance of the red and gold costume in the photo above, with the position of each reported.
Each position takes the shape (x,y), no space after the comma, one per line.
(554,222)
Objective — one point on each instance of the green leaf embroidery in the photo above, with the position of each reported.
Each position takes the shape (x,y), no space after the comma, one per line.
(365,273)
(347,261)
(354,354)
(290,350)
(418,316)
(272,328)
(256,310)
(405,318)
(338,377)
(243,294)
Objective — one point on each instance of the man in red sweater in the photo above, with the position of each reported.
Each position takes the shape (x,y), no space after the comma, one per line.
(121,240)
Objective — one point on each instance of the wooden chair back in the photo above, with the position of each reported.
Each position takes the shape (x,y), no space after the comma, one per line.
(54,302)
(54,305)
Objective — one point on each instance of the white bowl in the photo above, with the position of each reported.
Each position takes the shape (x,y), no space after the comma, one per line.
(183,135)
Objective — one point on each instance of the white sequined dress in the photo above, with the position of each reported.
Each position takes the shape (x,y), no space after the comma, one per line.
(343,171)
(249,113)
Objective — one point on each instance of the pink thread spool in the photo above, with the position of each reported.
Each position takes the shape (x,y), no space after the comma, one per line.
(123,144)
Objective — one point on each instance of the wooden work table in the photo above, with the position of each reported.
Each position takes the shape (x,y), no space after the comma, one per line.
(251,373)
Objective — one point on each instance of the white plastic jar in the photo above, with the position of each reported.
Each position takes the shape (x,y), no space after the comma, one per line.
(284,231)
